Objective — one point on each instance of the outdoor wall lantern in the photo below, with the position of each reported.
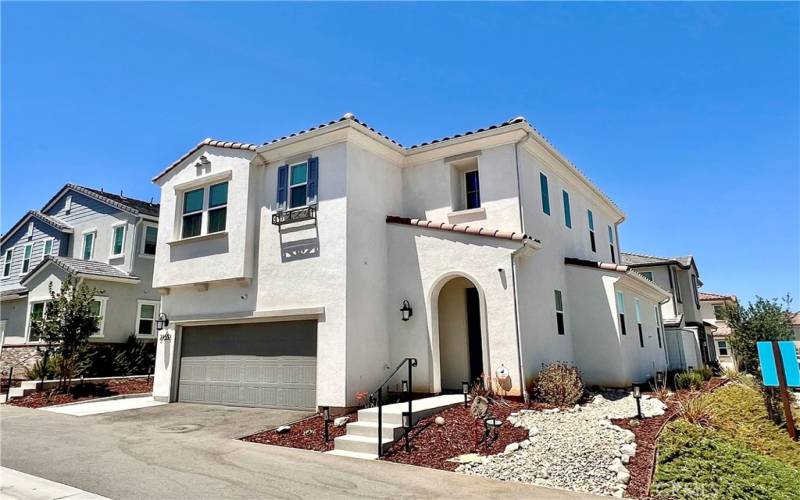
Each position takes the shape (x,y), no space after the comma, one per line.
(406,310)
(162,321)
(637,395)
(465,391)
(326,416)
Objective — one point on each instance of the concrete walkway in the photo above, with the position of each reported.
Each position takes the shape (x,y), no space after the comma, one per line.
(189,451)
(15,485)
(104,406)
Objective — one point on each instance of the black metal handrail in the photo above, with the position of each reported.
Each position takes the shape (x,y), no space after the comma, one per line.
(412,362)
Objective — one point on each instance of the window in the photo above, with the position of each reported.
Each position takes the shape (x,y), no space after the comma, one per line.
(473,193)
(68,204)
(146,317)
(677,285)
(559,312)
(621,312)
(48,247)
(719,311)
(297,184)
(611,245)
(656,315)
(639,321)
(118,240)
(98,308)
(192,213)
(647,274)
(26,258)
(722,347)
(149,240)
(545,193)
(29,234)
(88,245)
(567,213)
(217,207)
(7,262)
(694,292)
(38,311)
(591,231)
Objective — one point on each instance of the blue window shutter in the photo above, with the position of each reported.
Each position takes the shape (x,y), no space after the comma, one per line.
(283,186)
(313,173)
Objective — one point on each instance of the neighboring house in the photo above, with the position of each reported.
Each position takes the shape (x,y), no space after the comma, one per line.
(712,306)
(298,272)
(689,338)
(106,240)
(796,325)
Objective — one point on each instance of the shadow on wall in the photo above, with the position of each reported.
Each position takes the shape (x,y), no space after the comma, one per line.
(217,246)
(299,242)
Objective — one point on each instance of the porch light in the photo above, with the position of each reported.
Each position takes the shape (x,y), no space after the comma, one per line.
(406,310)
(162,321)
(637,395)
(326,416)
(465,391)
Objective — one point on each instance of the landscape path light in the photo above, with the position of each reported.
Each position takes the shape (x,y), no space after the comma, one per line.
(326,416)
(465,391)
(637,395)
(406,427)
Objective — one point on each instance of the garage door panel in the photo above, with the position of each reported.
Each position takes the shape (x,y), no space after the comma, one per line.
(268,365)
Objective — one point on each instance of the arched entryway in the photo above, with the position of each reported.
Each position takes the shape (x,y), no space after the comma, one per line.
(460,338)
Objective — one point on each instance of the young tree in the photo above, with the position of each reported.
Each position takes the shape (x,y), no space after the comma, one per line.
(762,320)
(68,321)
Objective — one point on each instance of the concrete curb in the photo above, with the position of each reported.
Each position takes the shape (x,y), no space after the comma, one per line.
(97,400)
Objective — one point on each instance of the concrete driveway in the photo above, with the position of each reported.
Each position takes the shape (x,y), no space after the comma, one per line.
(189,451)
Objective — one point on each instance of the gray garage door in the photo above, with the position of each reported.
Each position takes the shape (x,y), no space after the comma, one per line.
(270,365)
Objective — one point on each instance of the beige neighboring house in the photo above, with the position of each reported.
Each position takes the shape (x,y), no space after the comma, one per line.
(796,325)
(712,306)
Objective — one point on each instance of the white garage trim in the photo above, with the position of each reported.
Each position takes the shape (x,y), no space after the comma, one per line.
(292,314)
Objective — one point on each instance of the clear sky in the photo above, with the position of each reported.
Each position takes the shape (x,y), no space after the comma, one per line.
(686,114)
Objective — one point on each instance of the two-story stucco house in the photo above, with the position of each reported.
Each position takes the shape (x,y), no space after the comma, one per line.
(298,272)
(689,338)
(712,307)
(106,240)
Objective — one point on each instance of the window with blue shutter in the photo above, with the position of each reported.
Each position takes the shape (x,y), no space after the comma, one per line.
(545,193)
(283,186)
(298,184)
(567,212)
(313,174)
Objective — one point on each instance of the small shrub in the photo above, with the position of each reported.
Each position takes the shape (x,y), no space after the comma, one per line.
(134,357)
(660,391)
(38,371)
(688,380)
(365,399)
(695,410)
(705,372)
(732,374)
(558,384)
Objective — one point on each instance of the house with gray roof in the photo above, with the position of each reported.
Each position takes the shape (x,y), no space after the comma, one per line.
(106,240)
(690,341)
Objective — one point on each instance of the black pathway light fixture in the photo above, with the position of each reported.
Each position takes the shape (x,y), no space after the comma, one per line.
(465,391)
(637,395)
(326,417)
(406,429)
(491,425)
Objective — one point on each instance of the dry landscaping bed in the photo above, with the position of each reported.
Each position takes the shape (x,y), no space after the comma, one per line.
(114,387)
(306,434)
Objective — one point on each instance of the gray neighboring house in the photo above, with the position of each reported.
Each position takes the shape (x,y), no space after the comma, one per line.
(690,338)
(107,240)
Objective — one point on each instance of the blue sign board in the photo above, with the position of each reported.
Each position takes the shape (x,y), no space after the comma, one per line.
(769,370)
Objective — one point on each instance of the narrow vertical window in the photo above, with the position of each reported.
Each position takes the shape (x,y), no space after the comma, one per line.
(48,247)
(567,212)
(591,231)
(723,347)
(559,312)
(473,193)
(298,185)
(545,193)
(677,286)
(88,246)
(611,245)
(118,240)
(639,321)
(37,313)
(647,274)
(150,239)
(146,318)
(192,213)
(694,292)
(97,307)
(68,204)
(719,313)
(26,258)
(621,312)
(658,323)
(29,234)
(217,207)
(7,262)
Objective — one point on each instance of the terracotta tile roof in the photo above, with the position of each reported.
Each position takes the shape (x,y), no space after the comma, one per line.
(460,228)
(518,119)
(643,260)
(347,116)
(715,296)
(599,265)
(84,268)
(207,142)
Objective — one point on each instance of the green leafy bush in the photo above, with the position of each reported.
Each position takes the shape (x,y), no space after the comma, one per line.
(688,380)
(134,357)
(558,384)
(38,371)
(694,462)
(705,372)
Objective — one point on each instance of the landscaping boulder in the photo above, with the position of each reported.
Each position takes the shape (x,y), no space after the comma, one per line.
(283,429)
(341,421)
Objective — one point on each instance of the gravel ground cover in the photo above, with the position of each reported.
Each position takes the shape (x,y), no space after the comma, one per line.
(88,391)
(579,449)
(307,434)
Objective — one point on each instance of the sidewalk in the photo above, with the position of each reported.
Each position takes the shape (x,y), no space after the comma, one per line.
(15,485)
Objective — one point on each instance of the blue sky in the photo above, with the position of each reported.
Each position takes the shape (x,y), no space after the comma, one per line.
(686,114)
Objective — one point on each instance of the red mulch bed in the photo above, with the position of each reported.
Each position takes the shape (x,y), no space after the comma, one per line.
(105,389)
(642,465)
(432,445)
(307,434)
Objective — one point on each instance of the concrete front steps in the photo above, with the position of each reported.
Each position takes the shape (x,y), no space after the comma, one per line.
(361,440)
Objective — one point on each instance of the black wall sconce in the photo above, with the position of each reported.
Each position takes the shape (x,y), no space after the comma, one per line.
(162,321)
(406,310)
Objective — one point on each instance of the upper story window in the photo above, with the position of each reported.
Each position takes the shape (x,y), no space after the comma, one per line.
(192,213)
(48,247)
(68,204)
(647,274)
(722,346)
(677,285)
(465,190)
(209,202)
(591,231)
(7,262)
(611,245)
(26,258)
(297,184)
(217,207)
(88,245)
(29,234)
(545,193)
(118,240)
(567,212)
(559,311)
(621,312)
(657,317)
(149,240)
(694,292)
(719,311)
(473,191)
(639,321)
